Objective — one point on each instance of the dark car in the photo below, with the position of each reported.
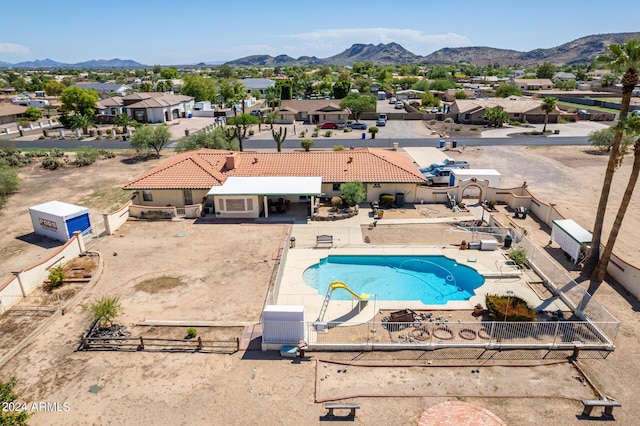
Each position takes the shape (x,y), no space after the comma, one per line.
(256,112)
(328,125)
(357,125)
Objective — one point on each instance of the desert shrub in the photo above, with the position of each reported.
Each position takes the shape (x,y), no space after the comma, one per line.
(315,133)
(461,205)
(52,163)
(99,138)
(328,134)
(387,200)
(41,137)
(86,155)
(373,129)
(56,152)
(338,147)
(448,120)
(457,129)
(473,129)
(105,153)
(303,133)
(191,333)
(519,256)
(306,144)
(515,123)
(337,202)
(155,215)
(491,204)
(56,277)
(346,129)
(104,310)
(432,122)
(511,307)
(252,132)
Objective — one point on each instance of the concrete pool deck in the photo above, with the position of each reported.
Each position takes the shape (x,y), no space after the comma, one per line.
(348,240)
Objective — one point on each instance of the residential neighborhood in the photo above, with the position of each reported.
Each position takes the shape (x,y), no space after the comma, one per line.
(387,234)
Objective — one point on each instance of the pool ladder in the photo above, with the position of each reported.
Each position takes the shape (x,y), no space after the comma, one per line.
(325,304)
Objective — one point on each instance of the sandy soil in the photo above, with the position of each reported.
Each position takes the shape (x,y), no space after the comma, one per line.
(225,271)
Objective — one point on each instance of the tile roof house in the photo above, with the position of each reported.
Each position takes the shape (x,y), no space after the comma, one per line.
(261,84)
(154,107)
(243,184)
(110,106)
(314,111)
(472,111)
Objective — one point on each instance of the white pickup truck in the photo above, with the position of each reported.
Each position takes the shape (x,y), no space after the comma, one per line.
(448,162)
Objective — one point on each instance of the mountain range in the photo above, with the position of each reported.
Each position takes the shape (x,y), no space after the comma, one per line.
(579,51)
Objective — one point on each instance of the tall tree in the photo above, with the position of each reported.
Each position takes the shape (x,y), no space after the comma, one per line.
(201,88)
(621,58)
(151,137)
(79,100)
(272,97)
(548,106)
(546,70)
(357,104)
(54,88)
(241,124)
(632,126)
(82,121)
(123,120)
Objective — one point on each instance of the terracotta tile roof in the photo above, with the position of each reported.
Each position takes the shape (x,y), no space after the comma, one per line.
(206,168)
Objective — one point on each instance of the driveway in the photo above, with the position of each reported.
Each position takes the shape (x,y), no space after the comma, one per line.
(580,128)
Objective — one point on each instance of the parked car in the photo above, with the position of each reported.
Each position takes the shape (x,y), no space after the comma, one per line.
(399,105)
(392,100)
(256,112)
(358,125)
(328,125)
(448,162)
(381,122)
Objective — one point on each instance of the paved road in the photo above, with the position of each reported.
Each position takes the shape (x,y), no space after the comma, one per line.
(322,143)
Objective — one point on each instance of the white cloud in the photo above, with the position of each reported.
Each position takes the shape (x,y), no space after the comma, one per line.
(12,48)
(332,41)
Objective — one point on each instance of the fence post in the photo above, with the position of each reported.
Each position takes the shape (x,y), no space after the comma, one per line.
(141,346)
(199,347)
(493,327)
(555,335)
(84,343)
(237,344)
(18,277)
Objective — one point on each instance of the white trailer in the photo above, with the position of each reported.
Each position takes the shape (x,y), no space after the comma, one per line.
(573,238)
(493,176)
(37,103)
(58,220)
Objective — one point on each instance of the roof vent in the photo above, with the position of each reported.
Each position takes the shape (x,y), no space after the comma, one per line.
(255,160)
(350,159)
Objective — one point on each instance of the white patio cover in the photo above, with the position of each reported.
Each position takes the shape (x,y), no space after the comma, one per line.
(272,185)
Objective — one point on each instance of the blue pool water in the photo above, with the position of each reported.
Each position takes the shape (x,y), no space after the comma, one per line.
(433,280)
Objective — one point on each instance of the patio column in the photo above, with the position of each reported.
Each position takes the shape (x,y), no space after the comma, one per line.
(265,202)
(313,205)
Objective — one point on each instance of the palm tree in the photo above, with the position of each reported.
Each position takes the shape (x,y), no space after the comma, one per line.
(272,97)
(622,58)
(124,121)
(548,105)
(632,126)
(270,116)
(497,116)
(82,121)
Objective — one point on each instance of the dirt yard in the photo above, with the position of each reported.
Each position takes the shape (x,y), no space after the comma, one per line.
(222,273)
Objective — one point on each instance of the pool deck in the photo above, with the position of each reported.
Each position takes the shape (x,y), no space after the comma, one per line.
(347,234)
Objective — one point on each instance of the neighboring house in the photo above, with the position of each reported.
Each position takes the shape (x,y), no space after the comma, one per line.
(246,184)
(261,84)
(154,107)
(449,95)
(484,79)
(110,106)
(472,111)
(409,94)
(563,76)
(313,111)
(533,83)
(105,88)
(10,113)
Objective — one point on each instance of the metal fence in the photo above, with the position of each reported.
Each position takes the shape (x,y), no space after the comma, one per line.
(439,334)
(95,234)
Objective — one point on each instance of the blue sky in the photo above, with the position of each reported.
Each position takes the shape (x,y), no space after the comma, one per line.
(185,32)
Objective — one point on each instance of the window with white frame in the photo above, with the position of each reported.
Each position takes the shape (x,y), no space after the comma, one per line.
(147,195)
(236,204)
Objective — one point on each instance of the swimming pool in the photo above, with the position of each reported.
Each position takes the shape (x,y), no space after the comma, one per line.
(433,280)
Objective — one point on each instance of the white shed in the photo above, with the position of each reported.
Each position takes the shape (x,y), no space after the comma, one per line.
(59,220)
(493,176)
(282,325)
(570,236)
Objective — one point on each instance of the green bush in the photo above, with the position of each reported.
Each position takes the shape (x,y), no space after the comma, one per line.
(519,256)
(387,200)
(56,277)
(86,155)
(373,129)
(104,153)
(104,310)
(346,129)
(473,129)
(306,144)
(338,147)
(315,134)
(252,132)
(191,333)
(52,163)
(448,120)
(512,308)
(57,152)
(353,192)
(328,134)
